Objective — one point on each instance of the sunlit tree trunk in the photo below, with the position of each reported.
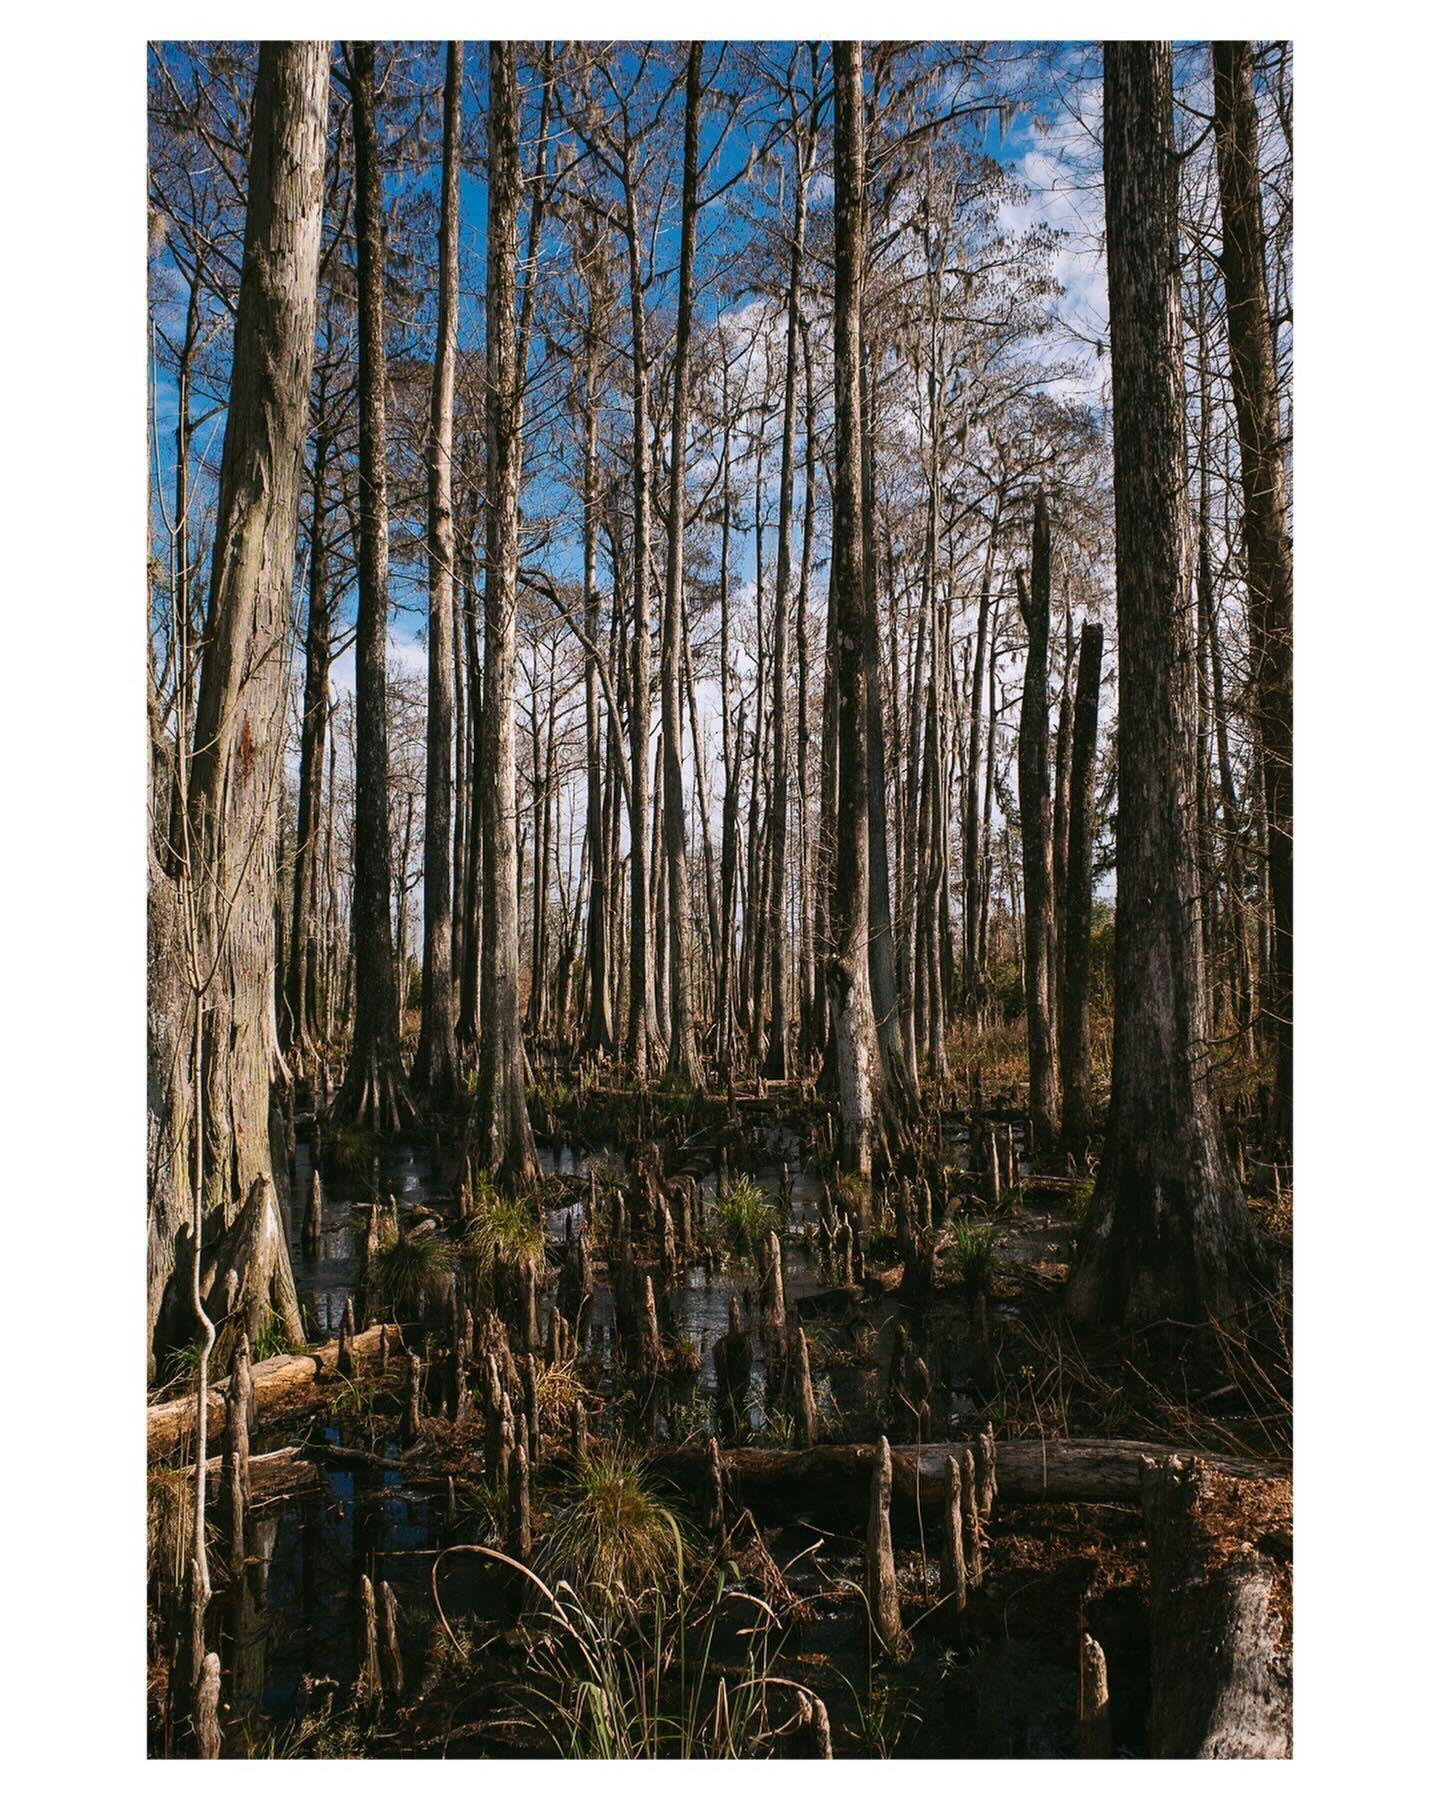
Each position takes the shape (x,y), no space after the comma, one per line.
(506,1146)
(684,1056)
(374,1091)
(1169,1235)
(1078,895)
(435,1059)
(859,1075)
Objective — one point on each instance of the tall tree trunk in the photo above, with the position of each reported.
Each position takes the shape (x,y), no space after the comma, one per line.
(1169,1234)
(506,1147)
(777,1058)
(811,1023)
(1075,1010)
(315,711)
(972,977)
(684,1056)
(859,1074)
(1037,828)
(599,1033)
(885,999)
(1062,812)
(435,1059)
(730,741)
(374,1091)
(240,729)
(641,1029)
(1268,570)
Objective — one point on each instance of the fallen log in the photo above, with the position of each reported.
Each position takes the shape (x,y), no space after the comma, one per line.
(272,1475)
(170,1421)
(1220,1640)
(1028,1469)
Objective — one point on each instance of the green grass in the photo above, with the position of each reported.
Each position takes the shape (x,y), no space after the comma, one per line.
(613,1537)
(657,1691)
(505,1229)
(746,1215)
(183,1363)
(270,1339)
(349,1150)
(972,1250)
(409,1272)
(684,1359)
(1078,1205)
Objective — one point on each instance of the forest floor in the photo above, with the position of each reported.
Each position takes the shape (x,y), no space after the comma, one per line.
(726,1633)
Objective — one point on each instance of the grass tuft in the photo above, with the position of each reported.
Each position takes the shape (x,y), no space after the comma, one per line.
(972,1248)
(505,1230)
(408,1273)
(746,1215)
(613,1535)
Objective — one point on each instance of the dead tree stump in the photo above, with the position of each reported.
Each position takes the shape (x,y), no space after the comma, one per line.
(774,1290)
(518,1535)
(802,1389)
(345,1359)
(1220,1654)
(392,1665)
(882,1591)
(412,1398)
(1092,1712)
(367,1680)
(953,1550)
(207,1709)
(970,1520)
(314,1218)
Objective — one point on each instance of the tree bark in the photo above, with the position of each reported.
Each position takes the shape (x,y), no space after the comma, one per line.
(852,1018)
(1079,889)
(227,886)
(435,1059)
(506,1147)
(684,1055)
(374,1091)
(1037,831)
(1220,1656)
(1268,568)
(973,966)
(1169,1234)
(777,1057)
